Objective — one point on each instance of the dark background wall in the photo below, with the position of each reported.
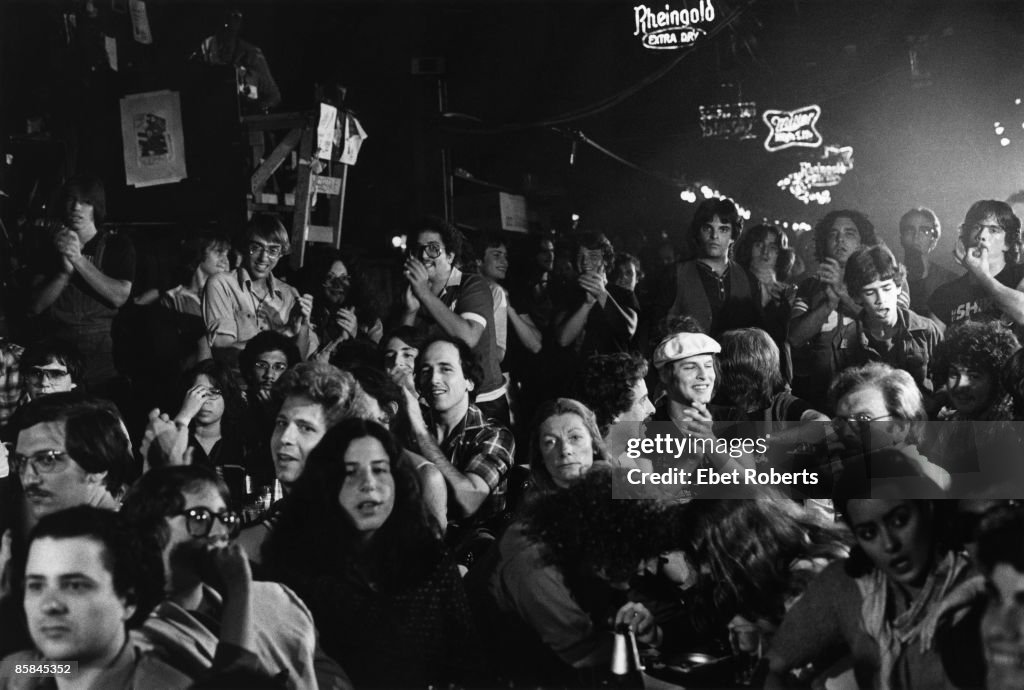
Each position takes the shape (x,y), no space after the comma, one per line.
(521,63)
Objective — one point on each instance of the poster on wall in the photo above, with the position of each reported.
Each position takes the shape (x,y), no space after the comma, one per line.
(154,142)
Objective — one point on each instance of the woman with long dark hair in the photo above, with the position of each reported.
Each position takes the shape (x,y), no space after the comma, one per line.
(357,543)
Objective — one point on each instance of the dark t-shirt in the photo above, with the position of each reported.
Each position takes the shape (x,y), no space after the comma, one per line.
(965,300)
(601,335)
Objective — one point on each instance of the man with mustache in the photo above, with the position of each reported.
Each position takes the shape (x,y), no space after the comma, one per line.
(83,278)
(712,288)
(71,451)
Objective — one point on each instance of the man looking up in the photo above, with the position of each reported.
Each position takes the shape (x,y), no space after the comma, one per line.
(241,303)
(444,302)
(712,288)
(83,278)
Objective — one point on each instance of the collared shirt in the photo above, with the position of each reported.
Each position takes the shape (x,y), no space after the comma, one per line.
(468,295)
(231,308)
(911,348)
(10,379)
(485,448)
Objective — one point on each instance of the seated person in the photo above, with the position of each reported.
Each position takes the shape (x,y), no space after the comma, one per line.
(86,582)
(315,396)
(549,600)
(473,453)
(386,567)
(207,256)
(614,387)
(401,347)
(183,514)
(52,366)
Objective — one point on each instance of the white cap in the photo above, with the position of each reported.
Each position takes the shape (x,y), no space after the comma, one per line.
(683,345)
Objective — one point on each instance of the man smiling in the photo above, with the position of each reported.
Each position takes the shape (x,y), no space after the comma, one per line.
(240,304)
(474,454)
(444,302)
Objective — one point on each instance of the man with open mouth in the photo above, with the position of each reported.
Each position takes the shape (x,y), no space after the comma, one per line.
(884,331)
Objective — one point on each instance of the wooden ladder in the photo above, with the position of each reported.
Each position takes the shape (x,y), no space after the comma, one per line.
(299,135)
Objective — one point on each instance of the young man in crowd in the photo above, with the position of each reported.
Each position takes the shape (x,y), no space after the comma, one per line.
(712,288)
(473,453)
(992,287)
(823,307)
(183,511)
(443,301)
(314,397)
(884,331)
(241,303)
(920,231)
(82,278)
(85,583)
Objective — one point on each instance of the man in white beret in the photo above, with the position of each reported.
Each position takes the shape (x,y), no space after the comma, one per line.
(688,367)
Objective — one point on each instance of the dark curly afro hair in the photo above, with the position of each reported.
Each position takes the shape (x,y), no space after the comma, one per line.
(584,531)
(975,345)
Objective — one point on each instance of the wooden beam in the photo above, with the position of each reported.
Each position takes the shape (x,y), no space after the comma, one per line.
(269,166)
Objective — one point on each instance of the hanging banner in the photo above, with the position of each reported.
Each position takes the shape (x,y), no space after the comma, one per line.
(154,142)
(788,128)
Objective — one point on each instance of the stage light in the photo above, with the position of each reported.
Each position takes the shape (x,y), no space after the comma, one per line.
(706,191)
(1004,142)
(688,195)
(1000,129)
(398,242)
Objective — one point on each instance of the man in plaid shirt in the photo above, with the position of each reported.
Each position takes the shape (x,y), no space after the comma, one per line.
(10,382)
(473,453)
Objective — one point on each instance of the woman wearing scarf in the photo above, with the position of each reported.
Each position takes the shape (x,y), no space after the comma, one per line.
(874,606)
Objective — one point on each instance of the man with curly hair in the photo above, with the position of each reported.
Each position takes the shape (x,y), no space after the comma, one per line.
(614,387)
(992,287)
(968,363)
(442,301)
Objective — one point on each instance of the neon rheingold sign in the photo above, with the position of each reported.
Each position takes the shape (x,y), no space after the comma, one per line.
(671,28)
(788,128)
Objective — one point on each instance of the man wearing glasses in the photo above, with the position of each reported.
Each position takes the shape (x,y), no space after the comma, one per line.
(70,451)
(239,304)
(445,302)
(992,287)
(920,231)
(184,512)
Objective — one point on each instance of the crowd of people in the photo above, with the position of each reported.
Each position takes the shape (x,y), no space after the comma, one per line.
(306,482)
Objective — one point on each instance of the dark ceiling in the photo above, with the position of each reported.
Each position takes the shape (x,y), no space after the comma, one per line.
(514,68)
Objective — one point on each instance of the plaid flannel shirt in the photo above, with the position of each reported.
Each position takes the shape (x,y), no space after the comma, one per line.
(487,449)
(10,379)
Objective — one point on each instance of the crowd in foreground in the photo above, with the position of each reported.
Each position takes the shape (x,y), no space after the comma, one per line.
(299,487)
